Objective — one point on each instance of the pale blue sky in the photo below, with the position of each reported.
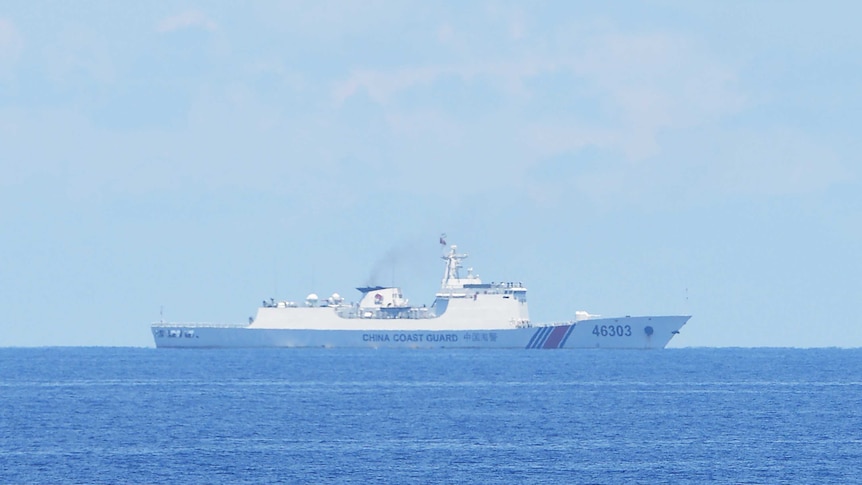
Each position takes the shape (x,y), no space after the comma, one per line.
(629,158)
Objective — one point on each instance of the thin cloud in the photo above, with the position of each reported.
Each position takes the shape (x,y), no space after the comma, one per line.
(11,42)
(651,82)
(445,34)
(383,85)
(187,20)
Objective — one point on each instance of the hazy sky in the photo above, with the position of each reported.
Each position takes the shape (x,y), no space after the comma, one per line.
(628,158)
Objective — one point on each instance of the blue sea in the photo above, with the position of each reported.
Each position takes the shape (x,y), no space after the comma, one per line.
(134,415)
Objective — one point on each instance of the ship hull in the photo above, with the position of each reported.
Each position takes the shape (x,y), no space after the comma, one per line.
(628,332)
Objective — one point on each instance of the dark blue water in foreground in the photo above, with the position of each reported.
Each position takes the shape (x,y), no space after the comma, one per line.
(123,415)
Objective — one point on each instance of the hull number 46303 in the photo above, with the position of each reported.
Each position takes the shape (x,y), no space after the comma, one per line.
(612,330)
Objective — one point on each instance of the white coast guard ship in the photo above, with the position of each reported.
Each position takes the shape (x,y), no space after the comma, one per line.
(466,313)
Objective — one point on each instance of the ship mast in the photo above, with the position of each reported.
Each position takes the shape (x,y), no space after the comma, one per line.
(451,278)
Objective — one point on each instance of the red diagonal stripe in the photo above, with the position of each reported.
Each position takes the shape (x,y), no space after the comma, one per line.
(556,336)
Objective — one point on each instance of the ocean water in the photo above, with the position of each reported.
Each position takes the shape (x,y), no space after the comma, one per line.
(128,415)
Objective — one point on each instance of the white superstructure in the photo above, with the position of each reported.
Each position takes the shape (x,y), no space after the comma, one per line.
(465,313)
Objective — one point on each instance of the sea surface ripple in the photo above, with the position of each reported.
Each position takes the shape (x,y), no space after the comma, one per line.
(137,415)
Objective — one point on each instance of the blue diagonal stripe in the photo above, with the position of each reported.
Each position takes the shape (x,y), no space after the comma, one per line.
(542,337)
(530,343)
